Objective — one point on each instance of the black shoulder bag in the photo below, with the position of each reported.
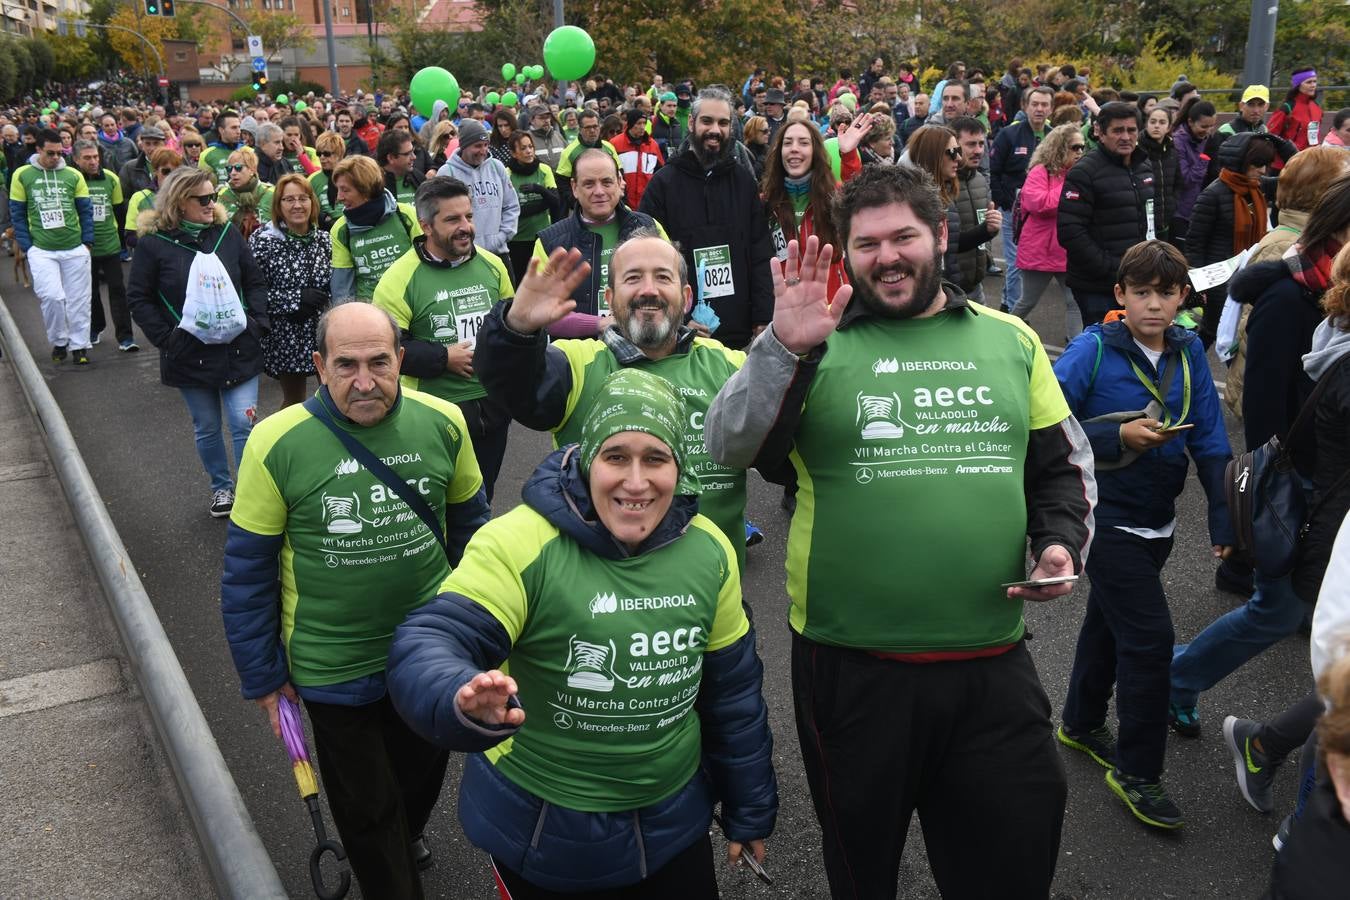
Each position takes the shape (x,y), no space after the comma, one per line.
(1266,498)
(376,467)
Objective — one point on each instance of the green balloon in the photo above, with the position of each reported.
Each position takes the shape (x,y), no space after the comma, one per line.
(282,98)
(539,72)
(431,84)
(508,71)
(569,53)
(510,98)
(301,106)
(492,98)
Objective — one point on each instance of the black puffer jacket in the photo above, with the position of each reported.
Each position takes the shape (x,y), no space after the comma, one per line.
(1210,238)
(571,233)
(1280,330)
(157,288)
(1102,213)
(715,207)
(1162,157)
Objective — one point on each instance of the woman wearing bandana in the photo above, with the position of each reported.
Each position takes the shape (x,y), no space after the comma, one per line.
(633,702)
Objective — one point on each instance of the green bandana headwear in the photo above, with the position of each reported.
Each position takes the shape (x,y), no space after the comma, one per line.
(634,400)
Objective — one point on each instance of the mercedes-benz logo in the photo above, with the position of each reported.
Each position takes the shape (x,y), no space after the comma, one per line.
(562,720)
(331,561)
(864,475)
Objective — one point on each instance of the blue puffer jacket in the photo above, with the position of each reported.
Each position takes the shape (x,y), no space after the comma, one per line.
(1143,493)
(445,643)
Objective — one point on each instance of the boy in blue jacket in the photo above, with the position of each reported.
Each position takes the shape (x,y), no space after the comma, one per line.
(1142,390)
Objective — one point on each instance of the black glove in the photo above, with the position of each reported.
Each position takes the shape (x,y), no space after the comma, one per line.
(529,189)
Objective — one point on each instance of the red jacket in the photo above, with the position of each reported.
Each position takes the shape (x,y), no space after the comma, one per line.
(370,133)
(1297,124)
(639,161)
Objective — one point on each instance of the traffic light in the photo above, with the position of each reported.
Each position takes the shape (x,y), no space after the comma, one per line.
(152,7)
(165,8)
(260,81)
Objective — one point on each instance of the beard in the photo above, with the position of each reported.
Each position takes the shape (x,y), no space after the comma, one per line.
(644,333)
(927,283)
(709,157)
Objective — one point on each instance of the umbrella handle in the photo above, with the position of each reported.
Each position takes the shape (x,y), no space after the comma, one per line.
(316,872)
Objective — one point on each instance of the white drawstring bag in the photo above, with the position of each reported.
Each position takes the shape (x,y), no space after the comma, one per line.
(212,311)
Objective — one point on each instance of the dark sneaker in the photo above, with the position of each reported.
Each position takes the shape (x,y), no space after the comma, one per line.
(753,535)
(1281,837)
(58,354)
(993,269)
(1255,773)
(222,502)
(1099,743)
(128,346)
(96,338)
(1185,720)
(1148,800)
(1234,579)
(80,357)
(422,853)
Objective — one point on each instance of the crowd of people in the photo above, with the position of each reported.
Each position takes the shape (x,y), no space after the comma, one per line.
(680,284)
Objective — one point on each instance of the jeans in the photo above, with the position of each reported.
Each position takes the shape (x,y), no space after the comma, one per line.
(1125,642)
(241,411)
(1012,276)
(1036,285)
(1273,612)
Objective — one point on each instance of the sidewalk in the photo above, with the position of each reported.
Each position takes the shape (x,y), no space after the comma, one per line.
(89,806)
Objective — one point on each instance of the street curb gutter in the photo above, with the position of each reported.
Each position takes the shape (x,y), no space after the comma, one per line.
(240,865)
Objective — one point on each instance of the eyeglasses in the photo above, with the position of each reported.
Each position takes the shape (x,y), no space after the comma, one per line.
(295,201)
(204,199)
(193,146)
(235,167)
(953,152)
(324,154)
(1078,148)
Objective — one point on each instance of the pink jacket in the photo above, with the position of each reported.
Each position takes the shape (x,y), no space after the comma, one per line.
(1039,248)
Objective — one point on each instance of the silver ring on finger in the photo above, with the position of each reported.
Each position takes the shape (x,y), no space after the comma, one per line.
(793,281)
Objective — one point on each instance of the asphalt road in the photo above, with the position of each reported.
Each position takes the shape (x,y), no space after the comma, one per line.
(137,440)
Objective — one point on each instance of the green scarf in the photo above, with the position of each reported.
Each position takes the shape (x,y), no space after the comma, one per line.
(636,400)
(194,228)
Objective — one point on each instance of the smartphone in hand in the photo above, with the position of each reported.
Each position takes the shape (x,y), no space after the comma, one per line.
(1042,582)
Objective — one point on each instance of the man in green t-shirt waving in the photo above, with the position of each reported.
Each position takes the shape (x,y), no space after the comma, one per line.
(53,222)
(439,293)
(931,441)
(324,559)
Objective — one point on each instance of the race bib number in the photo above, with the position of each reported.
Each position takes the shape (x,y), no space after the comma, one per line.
(52,218)
(1152,232)
(471,307)
(779,243)
(100,207)
(715,278)
(468,325)
(1313,129)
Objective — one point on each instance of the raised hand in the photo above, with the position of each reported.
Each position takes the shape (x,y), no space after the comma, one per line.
(804,315)
(853,135)
(545,293)
(485,698)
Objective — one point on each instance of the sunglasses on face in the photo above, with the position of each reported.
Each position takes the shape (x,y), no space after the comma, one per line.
(204,199)
(324,154)
(235,167)
(193,146)
(1078,148)
(953,152)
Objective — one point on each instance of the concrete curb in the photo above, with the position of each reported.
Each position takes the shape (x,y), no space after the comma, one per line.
(240,866)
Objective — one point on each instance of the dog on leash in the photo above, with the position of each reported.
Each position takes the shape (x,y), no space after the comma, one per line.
(21,272)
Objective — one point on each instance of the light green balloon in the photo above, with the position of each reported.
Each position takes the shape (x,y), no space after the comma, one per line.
(508,71)
(492,98)
(301,106)
(282,98)
(569,53)
(431,84)
(510,98)
(520,78)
